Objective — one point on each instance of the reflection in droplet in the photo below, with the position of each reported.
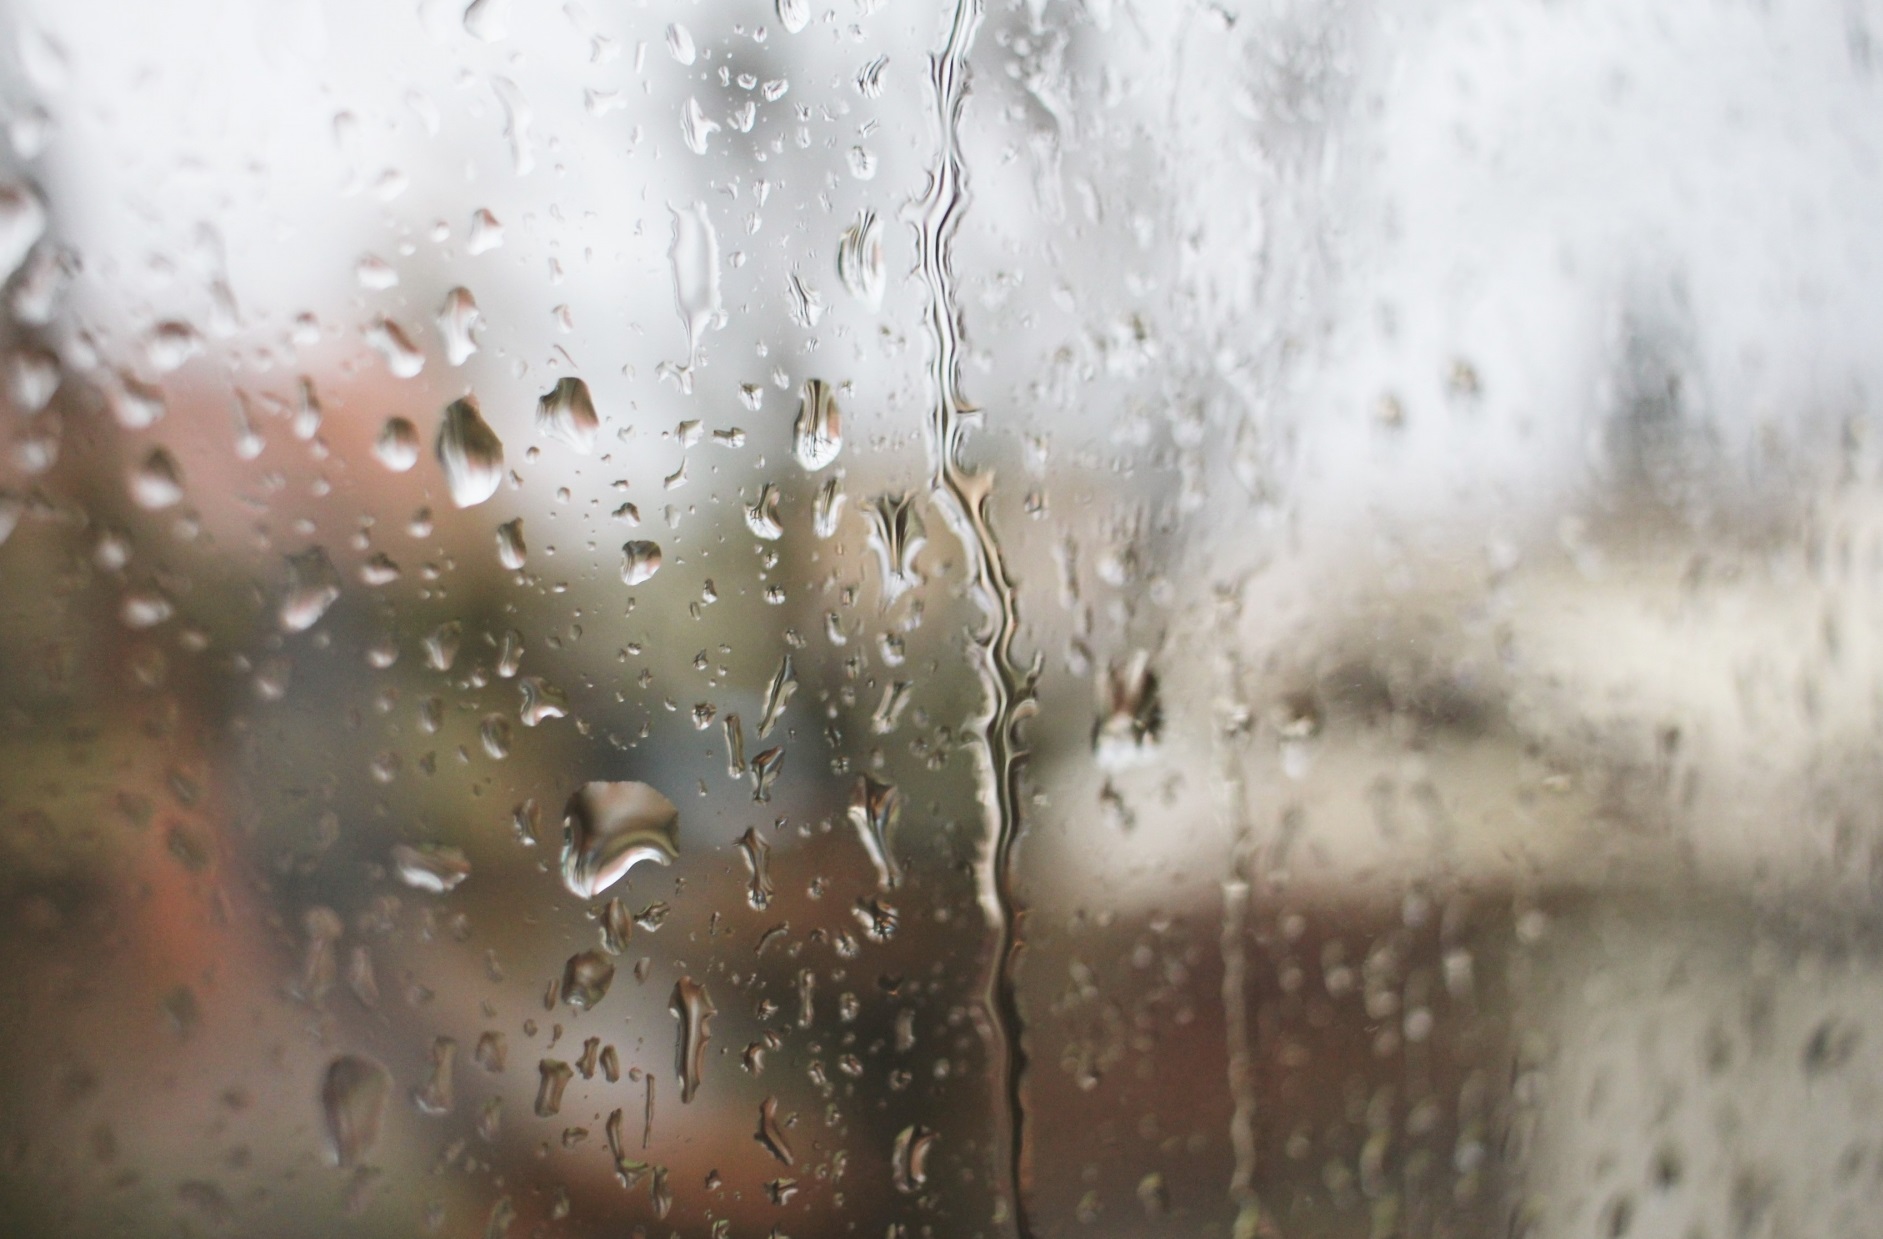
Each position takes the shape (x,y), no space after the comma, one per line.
(586,978)
(567,412)
(313,586)
(511,552)
(397,445)
(471,453)
(353,1100)
(817,436)
(639,561)
(691,1006)
(457,319)
(874,808)
(432,867)
(860,260)
(608,828)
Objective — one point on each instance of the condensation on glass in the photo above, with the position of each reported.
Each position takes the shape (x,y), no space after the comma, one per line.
(940,618)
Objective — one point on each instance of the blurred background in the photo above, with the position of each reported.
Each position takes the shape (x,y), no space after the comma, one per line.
(1430,462)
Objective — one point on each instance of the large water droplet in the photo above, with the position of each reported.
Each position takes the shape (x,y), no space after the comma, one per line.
(897,537)
(695,127)
(762,517)
(471,453)
(313,586)
(586,978)
(397,445)
(694,255)
(486,232)
(458,317)
(432,867)
(817,435)
(353,1099)
(784,682)
(553,1077)
(567,412)
(608,828)
(437,1095)
(860,260)
(770,1134)
(874,808)
(758,867)
(639,561)
(794,15)
(541,701)
(910,1157)
(680,43)
(511,552)
(693,1008)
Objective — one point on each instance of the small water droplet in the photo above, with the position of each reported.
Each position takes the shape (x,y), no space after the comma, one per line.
(757,862)
(817,435)
(353,1099)
(471,453)
(511,552)
(694,256)
(170,344)
(910,1157)
(441,645)
(693,1008)
(22,223)
(494,735)
(313,586)
(784,682)
(553,1076)
(157,482)
(397,444)
(567,412)
(860,262)
(608,828)
(680,43)
(486,233)
(458,317)
(695,128)
(765,769)
(805,305)
(770,1134)
(639,561)
(437,1096)
(870,78)
(431,867)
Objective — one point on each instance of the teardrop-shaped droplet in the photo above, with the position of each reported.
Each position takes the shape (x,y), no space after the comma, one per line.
(897,536)
(471,453)
(397,445)
(432,867)
(313,586)
(542,701)
(169,344)
(403,357)
(695,128)
(608,828)
(827,509)
(567,412)
(794,15)
(458,317)
(694,255)
(639,561)
(817,436)
(353,1100)
(511,552)
(770,1134)
(157,483)
(762,517)
(441,645)
(691,1006)
(784,682)
(860,260)
(680,43)
(486,232)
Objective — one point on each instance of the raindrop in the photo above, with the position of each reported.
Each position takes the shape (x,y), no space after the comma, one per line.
(586,978)
(860,261)
(735,746)
(313,586)
(757,857)
(511,552)
(694,255)
(680,43)
(896,695)
(817,436)
(441,645)
(553,1077)
(617,927)
(484,19)
(691,1006)
(695,128)
(608,828)
(770,1134)
(765,768)
(870,78)
(157,483)
(874,808)
(910,1158)
(145,606)
(806,305)
(458,317)
(170,344)
(1129,718)
(471,453)
(827,509)
(494,735)
(353,1098)
(135,405)
(794,15)
(486,233)
(567,412)
(437,1096)
(762,517)
(379,570)
(784,682)
(389,339)
(397,445)
(22,223)
(639,561)
(431,867)
(541,701)
(897,537)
